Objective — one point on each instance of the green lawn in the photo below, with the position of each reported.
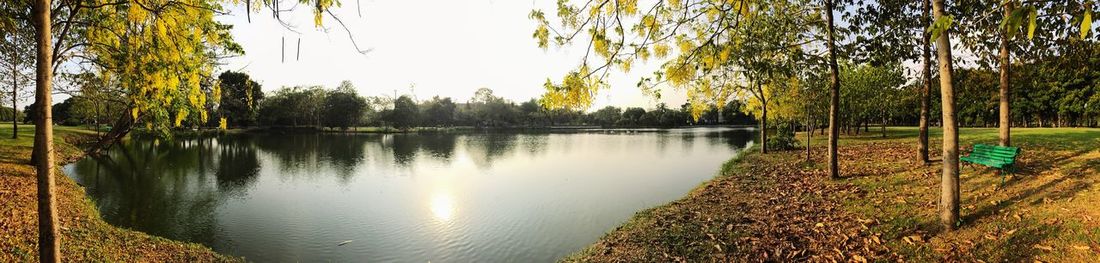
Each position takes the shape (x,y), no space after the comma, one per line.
(1045,212)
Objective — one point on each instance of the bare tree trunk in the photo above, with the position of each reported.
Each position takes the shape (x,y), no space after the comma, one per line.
(14,101)
(809,136)
(119,129)
(764,126)
(883,125)
(48,242)
(949,185)
(834,92)
(926,87)
(1005,95)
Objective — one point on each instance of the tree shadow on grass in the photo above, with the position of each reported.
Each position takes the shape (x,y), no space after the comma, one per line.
(1064,186)
(1020,246)
(14,156)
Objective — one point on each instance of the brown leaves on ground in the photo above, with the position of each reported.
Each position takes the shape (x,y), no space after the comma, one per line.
(768,208)
(774,208)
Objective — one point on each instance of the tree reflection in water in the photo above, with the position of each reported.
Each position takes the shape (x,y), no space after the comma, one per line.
(277,196)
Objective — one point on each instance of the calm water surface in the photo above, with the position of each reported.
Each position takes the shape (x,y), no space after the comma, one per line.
(472,197)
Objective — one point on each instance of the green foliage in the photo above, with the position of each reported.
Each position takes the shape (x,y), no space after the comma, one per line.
(884,31)
(783,139)
(941,25)
(293,106)
(488,110)
(439,111)
(9,114)
(160,56)
(871,93)
(608,116)
(633,116)
(1086,23)
(240,99)
(405,113)
(343,107)
(707,50)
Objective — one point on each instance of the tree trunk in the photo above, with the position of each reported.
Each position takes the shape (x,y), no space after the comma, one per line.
(926,87)
(809,136)
(48,242)
(1005,95)
(834,92)
(949,185)
(14,101)
(764,127)
(884,126)
(119,129)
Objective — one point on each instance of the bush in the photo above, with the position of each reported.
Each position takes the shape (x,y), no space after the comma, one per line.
(783,139)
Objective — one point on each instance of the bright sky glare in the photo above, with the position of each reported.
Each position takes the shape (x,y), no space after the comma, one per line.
(423,48)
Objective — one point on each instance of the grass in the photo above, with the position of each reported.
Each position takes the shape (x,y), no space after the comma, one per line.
(84,235)
(1045,212)
(886,202)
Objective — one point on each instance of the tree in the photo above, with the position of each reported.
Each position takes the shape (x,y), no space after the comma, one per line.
(721,46)
(633,116)
(49,245)
(949,181)
(886,34)
(294,106)
(193,31)
(405,113)
(607,116)
(63,112)
(1005,61)
(16,42)
(492,111)
(926,84)
(439,111)
(240,99)
(535,114)
(834,93)
(871,92)
(343,107)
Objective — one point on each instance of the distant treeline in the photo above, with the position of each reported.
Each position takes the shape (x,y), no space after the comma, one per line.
(342,108)
(243,104)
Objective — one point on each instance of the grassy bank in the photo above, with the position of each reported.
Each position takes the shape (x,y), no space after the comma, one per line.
(84,235)
(777,207)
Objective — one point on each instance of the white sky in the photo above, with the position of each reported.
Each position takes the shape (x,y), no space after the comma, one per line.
(446,48)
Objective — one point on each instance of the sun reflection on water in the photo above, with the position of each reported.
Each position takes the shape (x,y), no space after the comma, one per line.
(443,206)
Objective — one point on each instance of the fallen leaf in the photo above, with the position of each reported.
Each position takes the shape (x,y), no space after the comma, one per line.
(1044,248)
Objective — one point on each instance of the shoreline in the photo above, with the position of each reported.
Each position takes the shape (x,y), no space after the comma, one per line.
(777,207)
(84,235)
(391,130)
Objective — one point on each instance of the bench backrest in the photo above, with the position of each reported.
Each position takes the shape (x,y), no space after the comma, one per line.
(1006,154)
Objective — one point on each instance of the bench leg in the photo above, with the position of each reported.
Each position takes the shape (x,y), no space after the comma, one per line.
(1003,178)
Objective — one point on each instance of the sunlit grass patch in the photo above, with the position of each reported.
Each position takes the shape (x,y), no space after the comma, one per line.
(1045,212)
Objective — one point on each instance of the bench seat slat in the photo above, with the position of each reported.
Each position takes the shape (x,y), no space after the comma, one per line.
(992,155)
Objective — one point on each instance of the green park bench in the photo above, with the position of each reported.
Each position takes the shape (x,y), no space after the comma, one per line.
(1000,157)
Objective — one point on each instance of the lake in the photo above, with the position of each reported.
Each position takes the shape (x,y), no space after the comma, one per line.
(442,197)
